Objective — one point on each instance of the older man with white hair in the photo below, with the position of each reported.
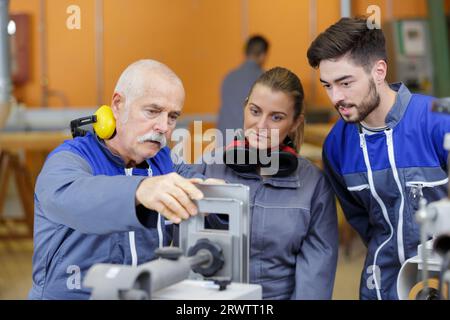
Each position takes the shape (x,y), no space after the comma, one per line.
(104,201)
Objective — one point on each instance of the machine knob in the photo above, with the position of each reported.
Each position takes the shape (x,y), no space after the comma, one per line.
(216,262)
(222,283)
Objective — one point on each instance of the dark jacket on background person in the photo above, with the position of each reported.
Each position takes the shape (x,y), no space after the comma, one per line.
(234,90)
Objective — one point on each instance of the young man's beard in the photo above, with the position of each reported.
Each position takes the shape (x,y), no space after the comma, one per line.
(366,106)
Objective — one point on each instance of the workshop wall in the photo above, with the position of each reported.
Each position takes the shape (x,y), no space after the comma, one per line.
(201,40)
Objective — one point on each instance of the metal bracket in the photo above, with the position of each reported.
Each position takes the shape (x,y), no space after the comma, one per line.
(233,200)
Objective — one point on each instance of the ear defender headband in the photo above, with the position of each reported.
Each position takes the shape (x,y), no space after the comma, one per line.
(103,123)
(242,158)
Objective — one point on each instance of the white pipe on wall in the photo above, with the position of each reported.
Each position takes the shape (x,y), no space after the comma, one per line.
(244,20)
(346,8)
(312,36)
(99,50)
(43,52)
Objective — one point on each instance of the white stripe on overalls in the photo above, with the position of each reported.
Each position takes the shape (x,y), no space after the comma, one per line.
(131,236)
(383,209)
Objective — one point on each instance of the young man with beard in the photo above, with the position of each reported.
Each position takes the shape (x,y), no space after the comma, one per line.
(384,155)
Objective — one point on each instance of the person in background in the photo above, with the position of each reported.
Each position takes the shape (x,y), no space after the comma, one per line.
(238,82)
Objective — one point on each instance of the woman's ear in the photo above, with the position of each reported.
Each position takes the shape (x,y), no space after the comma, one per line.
(297,131)
(297,123)
(245,102)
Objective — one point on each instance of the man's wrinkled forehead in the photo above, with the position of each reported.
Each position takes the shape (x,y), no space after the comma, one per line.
(149,78)
(164,94)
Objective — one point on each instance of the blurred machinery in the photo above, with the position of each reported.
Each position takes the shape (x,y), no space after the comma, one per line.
(410,53)
(427,276)
(210,263)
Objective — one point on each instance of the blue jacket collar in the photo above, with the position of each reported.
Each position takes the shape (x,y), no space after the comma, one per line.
(401,103)
(111,156)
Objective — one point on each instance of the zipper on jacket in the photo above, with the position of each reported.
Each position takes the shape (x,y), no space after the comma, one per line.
(416,191)
(131,235)
(159,224)
(390,146)
(426,184)
(374,193)
(417,187)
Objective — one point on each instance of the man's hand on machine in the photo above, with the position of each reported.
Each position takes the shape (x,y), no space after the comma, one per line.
(171,195)
(210,181)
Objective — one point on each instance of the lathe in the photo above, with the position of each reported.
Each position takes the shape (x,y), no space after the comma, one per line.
(209,264)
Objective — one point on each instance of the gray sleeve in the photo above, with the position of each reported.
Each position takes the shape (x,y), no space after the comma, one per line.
(186,170)
(69,194)
(317,260)
(189,170)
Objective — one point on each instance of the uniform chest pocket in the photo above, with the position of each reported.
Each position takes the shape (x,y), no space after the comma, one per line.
(416,190)
(361,187)
(361,193)
(430,190)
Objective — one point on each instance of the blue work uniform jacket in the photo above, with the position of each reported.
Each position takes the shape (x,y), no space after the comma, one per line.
(380,178)
(85,213)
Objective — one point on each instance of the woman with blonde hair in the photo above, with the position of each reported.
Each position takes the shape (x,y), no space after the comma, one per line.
(293,238)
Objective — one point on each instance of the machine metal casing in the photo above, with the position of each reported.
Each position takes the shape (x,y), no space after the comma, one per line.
(233,200)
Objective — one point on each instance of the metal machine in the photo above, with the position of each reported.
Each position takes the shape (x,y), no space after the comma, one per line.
(408,43)
(210,263)
(233,201)
(427,276)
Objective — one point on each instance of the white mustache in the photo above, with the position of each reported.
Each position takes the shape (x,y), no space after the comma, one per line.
(153,136)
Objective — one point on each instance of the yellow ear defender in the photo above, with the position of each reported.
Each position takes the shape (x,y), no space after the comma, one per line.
(103,123)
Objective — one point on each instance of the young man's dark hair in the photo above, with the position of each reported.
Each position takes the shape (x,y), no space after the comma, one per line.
(349,35)
(256,45)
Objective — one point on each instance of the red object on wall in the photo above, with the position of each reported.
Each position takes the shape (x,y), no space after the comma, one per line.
(20,49)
